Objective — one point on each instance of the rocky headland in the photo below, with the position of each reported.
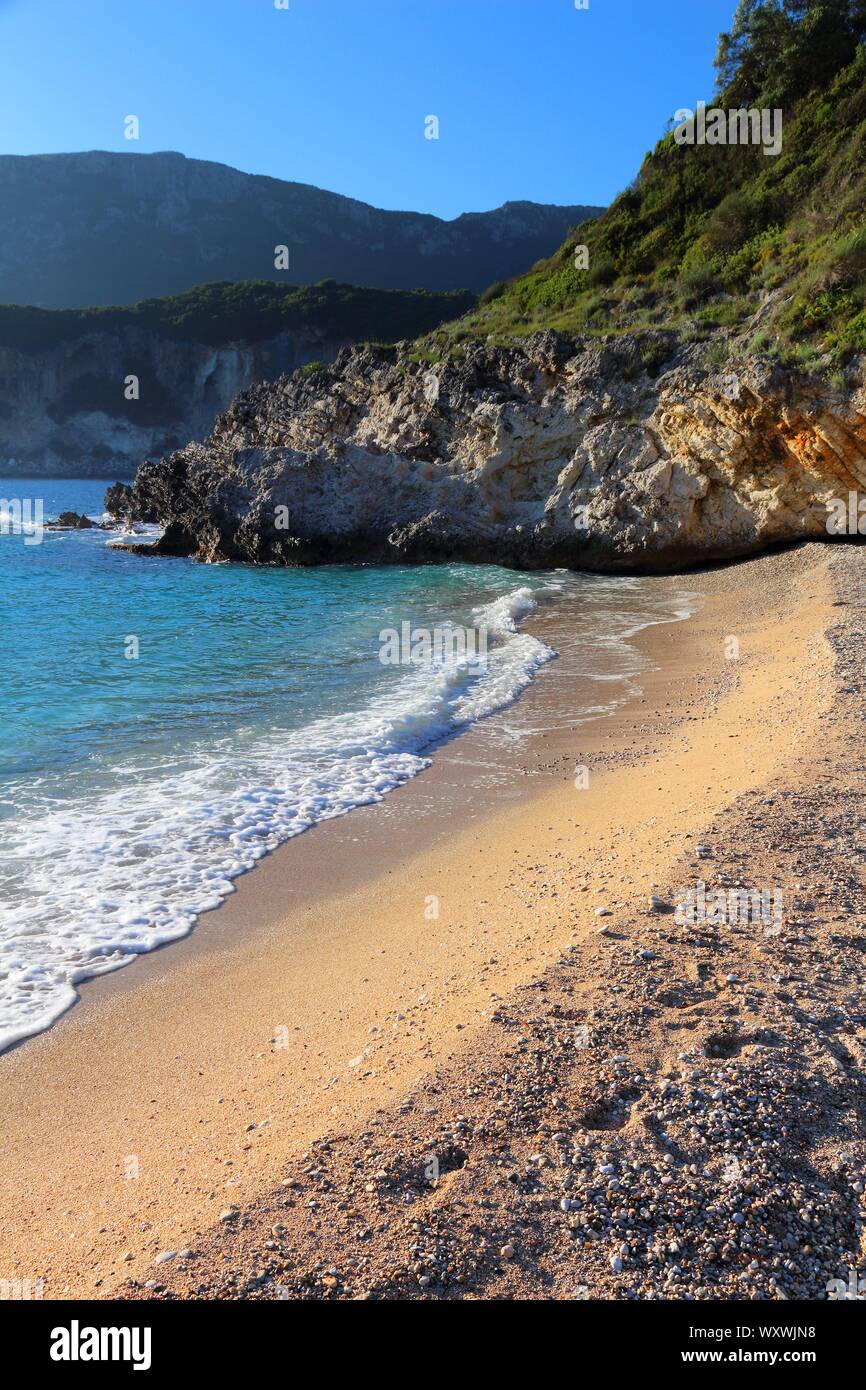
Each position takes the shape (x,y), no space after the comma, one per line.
(626,454)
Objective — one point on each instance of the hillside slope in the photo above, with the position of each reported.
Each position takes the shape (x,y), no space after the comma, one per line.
(713,241)
(100,228)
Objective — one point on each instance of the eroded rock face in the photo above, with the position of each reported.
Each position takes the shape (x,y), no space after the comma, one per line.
(64,411)
(553,453)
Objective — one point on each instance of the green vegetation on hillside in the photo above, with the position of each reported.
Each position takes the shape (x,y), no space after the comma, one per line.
(249,311)
(708,235)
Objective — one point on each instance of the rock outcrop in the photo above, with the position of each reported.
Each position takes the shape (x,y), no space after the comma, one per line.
(74,521)
(623,455)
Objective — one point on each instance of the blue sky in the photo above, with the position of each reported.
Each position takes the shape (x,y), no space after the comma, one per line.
(535,98)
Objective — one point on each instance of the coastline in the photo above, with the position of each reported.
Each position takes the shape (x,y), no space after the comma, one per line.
(294,757)
(215,1063)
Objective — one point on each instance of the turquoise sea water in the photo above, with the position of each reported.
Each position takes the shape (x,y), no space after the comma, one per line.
(133,789)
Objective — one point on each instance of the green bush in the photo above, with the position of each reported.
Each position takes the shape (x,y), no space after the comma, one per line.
(845,262)
(494,291)
(601,272)
(697,285)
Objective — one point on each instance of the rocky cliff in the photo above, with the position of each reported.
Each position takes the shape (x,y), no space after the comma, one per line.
(64,410)
(620,455)
(105,228)
(93,392)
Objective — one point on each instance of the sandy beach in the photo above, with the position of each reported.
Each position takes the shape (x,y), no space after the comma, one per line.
(253,1111)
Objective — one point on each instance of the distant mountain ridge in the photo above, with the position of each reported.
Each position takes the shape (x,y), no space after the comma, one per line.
(102,228)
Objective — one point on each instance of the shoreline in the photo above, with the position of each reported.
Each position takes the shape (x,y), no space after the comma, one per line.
(487,745)
(263,1029)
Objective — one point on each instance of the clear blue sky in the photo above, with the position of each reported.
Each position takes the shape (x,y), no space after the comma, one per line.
(535,98)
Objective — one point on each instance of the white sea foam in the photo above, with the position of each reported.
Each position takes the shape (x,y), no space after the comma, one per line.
(141,533)
(92,882)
